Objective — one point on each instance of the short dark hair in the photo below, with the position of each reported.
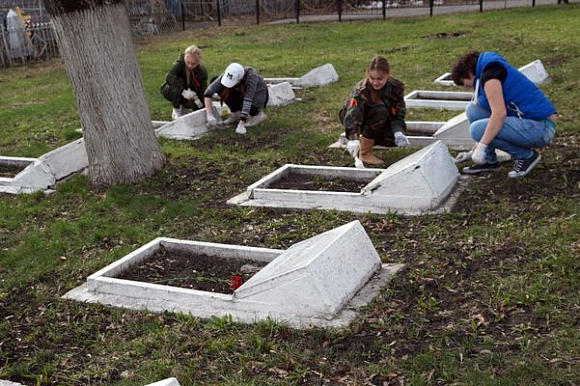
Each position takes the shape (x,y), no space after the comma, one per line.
(464,67)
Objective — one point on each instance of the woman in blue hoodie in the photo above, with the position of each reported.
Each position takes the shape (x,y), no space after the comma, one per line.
(508,112)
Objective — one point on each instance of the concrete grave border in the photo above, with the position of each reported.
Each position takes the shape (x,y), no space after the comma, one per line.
(291,288)
(43,173)
(451,100)
(419,183)
(319,76)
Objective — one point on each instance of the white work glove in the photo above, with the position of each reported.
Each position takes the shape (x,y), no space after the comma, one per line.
(241,129)
(463,156)
(353,147)
(401,139)
(478,155)
(211,121)
(197,101)
(187,94)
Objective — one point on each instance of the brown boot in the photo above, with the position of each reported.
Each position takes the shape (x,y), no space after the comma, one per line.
(366,152)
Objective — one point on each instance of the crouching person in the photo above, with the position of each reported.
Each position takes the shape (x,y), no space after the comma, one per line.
(245,93)
(508,112)
(185,83)
(374,114)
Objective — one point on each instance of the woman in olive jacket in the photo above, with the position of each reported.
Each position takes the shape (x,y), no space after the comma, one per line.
(185,82)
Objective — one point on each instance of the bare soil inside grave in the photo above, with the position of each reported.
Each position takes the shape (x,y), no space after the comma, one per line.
(10,171)
(193,271)
(297,181)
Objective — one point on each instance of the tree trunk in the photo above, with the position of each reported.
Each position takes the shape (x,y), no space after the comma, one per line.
(95,43)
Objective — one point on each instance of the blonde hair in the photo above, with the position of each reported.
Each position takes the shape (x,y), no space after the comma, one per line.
(192,50)
(378,63)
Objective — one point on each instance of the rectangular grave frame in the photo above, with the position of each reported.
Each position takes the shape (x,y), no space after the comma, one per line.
(258,194)
(7,183)
(102,287)
(451,100)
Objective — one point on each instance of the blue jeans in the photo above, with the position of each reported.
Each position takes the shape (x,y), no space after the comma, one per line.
(517,137)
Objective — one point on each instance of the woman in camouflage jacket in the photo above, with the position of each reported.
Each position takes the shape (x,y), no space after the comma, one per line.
(375,112)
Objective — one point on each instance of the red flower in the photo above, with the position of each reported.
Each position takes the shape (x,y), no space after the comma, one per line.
(237,282)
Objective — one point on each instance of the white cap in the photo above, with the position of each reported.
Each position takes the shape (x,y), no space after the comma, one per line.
(234,73)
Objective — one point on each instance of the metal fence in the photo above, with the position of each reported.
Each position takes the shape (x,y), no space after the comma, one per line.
(34,38)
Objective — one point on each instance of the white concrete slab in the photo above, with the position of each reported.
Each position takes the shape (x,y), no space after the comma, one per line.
(445,80)
(44,172)
(419,183)
(319,76)
(8,383)
(535,72)
(165,382)
(280,94)
(298,286)
(190,126)
(451,100)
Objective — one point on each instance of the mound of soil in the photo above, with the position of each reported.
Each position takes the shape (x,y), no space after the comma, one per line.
(9,171)
(193,271)
(320,183)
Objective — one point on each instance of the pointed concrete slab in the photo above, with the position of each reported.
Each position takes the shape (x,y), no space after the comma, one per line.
(190,126)
(280,94)
(317,276)
(419,183)
(44,172)
(165,382)
(451,100)
(535,72)
(320,76)
(322,281)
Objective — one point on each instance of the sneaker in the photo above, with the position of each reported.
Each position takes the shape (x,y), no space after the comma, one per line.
(177,113)
(257,119)
(476,169)
(232,118)
(524,166)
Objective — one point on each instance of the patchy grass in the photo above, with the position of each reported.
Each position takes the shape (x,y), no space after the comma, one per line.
(490,293)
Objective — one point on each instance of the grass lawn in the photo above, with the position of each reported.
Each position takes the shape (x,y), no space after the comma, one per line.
(491,292)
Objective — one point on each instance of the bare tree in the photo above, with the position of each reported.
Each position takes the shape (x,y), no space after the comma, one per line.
(95,42)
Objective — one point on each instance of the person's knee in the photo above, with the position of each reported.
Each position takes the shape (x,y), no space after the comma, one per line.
(475,112)
(477,129)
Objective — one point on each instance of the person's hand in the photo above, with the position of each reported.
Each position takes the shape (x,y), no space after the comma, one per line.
(478,155)
(241,129)
(463,156)
(187,94)
(211,121)
(353,147)
(197,101)
(401,139)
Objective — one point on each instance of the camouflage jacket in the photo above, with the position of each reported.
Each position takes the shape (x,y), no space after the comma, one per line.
(353,111)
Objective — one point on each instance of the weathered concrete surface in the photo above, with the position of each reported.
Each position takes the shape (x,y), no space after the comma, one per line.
(419,183)
(190,126)
(319,76)
(297,287)
(280,94)
(44,172)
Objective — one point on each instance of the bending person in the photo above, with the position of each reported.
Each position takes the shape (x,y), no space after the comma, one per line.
(185,82)
(375,113)
(244,91)
(508,112)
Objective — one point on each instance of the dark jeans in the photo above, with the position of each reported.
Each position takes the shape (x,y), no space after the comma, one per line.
(235,101)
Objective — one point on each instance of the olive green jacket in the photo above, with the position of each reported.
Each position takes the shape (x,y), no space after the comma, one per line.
(176,80)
